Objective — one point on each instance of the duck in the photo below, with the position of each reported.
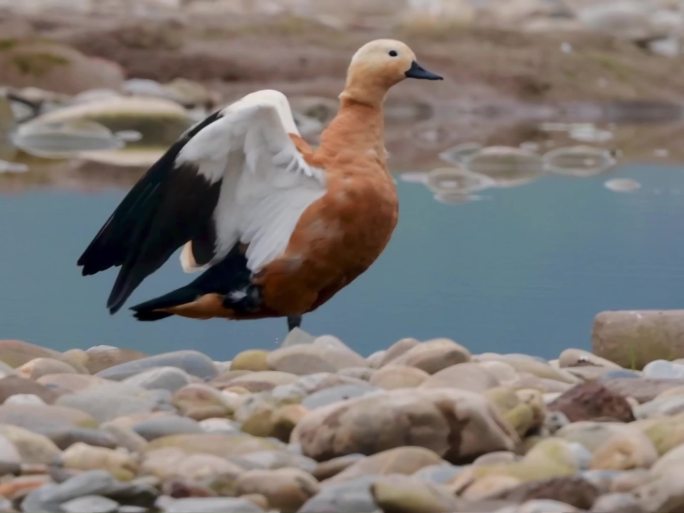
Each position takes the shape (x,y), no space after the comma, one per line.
(273,226)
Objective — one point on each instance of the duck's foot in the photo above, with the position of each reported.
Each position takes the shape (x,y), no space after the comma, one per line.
(293,321)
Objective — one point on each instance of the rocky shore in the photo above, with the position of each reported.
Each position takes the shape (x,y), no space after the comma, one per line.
(315,427)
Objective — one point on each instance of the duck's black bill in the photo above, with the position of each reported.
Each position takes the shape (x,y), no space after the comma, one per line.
(418,71)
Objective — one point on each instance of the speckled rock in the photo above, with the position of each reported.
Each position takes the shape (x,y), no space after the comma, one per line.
(192,362)
(251,360)
(590,401)
(286,489)
(466,376)
(199,401)
(325,354)
(34,369)
(398,376)
(402,460)
(433,355)
(103,357)
(17,352)
(425,418)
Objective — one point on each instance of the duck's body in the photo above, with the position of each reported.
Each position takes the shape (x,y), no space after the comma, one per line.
(277,227)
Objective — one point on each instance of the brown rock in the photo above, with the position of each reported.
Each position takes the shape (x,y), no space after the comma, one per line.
(69,383)
(393,377)
(453,423)
(17,352)
(575,491)
(38,367)
(401,460)
(327,469)
(286,489)
(433,355)
(103,357)
(590,401)
(466,376)
(199,402)
(12,385)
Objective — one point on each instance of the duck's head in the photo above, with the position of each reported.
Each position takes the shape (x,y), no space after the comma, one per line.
(379,65)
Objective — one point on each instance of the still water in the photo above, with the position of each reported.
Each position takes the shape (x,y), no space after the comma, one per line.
(522,270)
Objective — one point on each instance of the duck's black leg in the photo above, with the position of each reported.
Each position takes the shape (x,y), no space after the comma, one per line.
(293,321)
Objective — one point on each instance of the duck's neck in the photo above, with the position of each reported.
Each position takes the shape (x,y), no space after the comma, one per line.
(358,127)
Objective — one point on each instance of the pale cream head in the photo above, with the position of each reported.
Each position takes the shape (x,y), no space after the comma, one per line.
(379,65)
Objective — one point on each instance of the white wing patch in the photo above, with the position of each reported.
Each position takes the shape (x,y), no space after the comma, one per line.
(266,184)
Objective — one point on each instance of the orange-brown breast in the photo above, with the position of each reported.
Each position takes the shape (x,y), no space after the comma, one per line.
(340,235)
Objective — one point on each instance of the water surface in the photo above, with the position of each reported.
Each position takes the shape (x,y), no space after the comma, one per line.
(524,269)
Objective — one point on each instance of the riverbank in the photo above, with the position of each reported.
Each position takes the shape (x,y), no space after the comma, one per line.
(315,427)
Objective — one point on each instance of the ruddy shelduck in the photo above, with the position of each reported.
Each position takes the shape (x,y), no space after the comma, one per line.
(277,227)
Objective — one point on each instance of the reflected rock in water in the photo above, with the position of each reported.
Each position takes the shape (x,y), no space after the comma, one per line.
(456,198)
(586,132)
(460,153)
(456,180)
(580,161)
(506,166)
(64,139)
(622,185)
(86,130)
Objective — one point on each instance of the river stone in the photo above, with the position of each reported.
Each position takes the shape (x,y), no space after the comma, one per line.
(525,364)
(251,360)
(352,496)
(569,490)
(633,338)
(273,460)
(433,355)
(103,357)
(69,383)
(465,376)
(118,462)
(398,376)
(211,505)
(48,498)
(396,350)
(641,389)
(44,419)
(32,447)
(8,451)
(259,381)
(590,401)
(34,369)
(111,400)
(662,369)
(325,354)
(617,503)
(90,504)
(580,358)
(165,378)
(286,489)
(454,423)
(29,399)
(335,394)
(17,352)
(125,437)
(664,494)
(166,425)
(327,469)
(540,506)
(66,437)
(404,494)
(401,460)
(222,445)
(192,362)
(199,401)
(169,462)
(15,385)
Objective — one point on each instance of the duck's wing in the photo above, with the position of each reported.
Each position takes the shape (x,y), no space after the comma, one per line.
(236,177)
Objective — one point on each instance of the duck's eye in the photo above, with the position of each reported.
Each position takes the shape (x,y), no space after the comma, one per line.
(393,53)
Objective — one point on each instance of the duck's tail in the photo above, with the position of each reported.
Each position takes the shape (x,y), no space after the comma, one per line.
(156,308)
